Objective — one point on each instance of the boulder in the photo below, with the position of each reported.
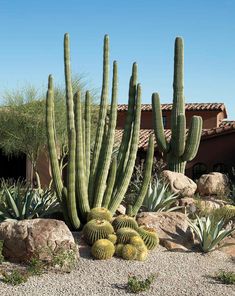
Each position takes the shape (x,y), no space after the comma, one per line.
(213,184)
(179,183)
(172,228)
(38,238)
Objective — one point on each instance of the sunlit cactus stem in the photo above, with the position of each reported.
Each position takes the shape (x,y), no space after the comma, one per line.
(180,148)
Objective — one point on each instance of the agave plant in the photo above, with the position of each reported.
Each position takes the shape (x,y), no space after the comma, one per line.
(208,233)
(159,198)
(19,203)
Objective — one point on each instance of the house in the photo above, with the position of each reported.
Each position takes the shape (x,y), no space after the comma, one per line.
(217,148)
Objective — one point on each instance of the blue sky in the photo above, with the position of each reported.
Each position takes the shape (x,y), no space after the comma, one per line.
(141,30)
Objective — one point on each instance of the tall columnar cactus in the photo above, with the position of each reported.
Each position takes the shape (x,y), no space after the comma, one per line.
(181,148)
(98,179)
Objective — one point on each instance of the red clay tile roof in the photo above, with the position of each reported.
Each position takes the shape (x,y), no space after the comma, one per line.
(145,133)
(188,107)
(227,123)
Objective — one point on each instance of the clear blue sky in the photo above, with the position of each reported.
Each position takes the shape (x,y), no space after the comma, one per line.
(141,30)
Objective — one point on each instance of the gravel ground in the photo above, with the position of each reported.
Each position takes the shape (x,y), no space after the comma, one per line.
(177,274)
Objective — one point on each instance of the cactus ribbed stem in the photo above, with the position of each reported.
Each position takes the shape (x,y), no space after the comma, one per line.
(110,183)
(88,132)
(81,184)
(179,150)
(105,157)
(102,117)
(125,179)
(146,179)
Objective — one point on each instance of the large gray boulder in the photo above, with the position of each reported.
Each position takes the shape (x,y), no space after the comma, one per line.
(172,228)
(213,184)
(179,183)
(38,238)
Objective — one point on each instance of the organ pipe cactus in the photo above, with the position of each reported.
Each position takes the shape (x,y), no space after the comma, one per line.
(180,149)
(93,180)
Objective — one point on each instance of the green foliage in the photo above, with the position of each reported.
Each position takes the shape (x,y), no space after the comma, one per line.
(95,178)
(225,277)
(159,198)
(99,213)
(19,203)
(124,234)
(16,277)
(180,149)
(208,233)
(64,260)
(103,249)
(124,221)
(35,267)
(1,255)
(137,284)
(97,229)
(129,252)
(149,237)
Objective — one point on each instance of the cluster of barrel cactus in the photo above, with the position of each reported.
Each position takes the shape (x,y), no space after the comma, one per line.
(181,148)
(96,179)
(121,237)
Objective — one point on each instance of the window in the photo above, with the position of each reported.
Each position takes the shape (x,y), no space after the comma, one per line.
(220,167)
(198,170)
(164,120)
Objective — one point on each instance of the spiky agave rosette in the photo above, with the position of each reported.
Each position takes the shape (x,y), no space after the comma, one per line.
(97,229)
(149,237)
(103,249)
(124,221)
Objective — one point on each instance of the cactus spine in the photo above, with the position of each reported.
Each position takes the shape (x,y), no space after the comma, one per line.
(179,150)
(97,179)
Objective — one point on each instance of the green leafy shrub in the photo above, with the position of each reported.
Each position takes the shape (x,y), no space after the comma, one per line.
(226,277)
(35,267)
(16,277)
(208,233)
(19,203)
(136,284)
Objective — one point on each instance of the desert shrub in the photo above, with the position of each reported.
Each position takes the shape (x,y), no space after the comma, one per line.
(16,277)
(137,284)
(1,255)
(225,277)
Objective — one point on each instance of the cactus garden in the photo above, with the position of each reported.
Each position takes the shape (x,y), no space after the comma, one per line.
(104,195)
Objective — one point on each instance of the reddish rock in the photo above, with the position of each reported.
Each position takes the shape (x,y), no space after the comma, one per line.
(39,238)
(179,183)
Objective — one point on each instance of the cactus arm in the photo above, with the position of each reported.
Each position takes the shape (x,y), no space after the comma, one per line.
(178,136)
(55,168)
(68,83)
(193,139)
(50,124)
(123,149)
(71,196)
(106,152)
(147,177)
(110,183)
(81,184)
(102,117)
(125,179)
(178,86)
(88,132)
(158,124)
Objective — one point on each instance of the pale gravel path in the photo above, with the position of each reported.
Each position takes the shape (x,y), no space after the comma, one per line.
(179,274)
